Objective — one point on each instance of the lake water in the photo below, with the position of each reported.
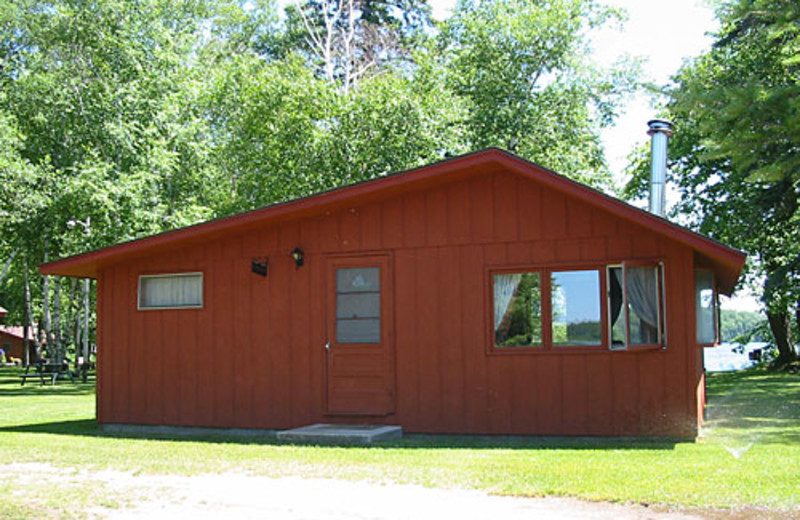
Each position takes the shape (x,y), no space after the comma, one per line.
(729,356)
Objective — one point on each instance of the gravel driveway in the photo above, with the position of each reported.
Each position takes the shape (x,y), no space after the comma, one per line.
(118,495)
(243,497)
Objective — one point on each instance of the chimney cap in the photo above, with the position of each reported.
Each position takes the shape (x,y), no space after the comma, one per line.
(660,126)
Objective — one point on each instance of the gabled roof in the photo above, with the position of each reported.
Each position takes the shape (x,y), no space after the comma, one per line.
(3,312)
(726,262)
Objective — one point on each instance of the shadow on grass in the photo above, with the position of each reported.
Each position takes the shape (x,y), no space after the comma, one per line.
(37,389)
(11,385)
(90,428)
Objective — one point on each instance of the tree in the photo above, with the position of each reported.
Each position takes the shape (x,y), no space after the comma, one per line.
(347,40)
(523,69)
(741,326)
(102,99)
(734,157)
(284,132)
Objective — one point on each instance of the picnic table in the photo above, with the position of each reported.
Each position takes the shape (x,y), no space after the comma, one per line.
(51,371)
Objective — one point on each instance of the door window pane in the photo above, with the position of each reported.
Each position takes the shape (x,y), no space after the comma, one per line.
(359,305)
(517,310)
(358,309)
(360,279)
(358,331)
(575,300)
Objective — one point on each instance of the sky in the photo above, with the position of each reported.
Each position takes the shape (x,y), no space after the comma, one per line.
(665,33)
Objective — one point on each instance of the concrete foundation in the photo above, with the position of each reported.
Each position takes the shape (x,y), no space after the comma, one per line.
(341,433)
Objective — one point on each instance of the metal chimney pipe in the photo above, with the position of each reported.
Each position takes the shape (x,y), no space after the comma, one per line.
(660,132)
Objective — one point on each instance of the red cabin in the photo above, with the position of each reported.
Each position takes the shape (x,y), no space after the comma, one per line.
(12,341)
(482,294)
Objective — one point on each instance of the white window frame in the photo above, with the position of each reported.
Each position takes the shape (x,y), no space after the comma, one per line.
(139,305)
(623,307)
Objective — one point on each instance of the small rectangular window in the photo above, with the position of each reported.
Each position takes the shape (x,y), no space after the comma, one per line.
(517,310)
(575,304)
(171,291)
(706,308)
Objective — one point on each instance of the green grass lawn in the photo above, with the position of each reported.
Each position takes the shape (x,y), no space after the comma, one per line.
(749,455)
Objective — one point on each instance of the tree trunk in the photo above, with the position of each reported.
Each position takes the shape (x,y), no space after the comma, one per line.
(70,316)
(85,349)
(781,327)
(27,348)
(7,265)
(57,343)
(797,319)
(48,330)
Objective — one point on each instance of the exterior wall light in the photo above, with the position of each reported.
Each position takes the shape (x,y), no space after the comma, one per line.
(297,256)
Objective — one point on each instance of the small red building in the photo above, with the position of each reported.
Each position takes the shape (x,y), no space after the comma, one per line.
(482,294)
(12,341)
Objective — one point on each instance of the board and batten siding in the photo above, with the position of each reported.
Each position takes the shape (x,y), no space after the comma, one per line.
(254,357)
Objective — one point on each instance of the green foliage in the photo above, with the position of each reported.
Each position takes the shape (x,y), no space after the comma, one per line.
(734,155)
(742,326)
(522,67)
(104,99)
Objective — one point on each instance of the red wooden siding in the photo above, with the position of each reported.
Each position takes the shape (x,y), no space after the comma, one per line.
(254,356)
(11,340)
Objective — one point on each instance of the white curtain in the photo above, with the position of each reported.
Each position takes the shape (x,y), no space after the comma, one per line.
(505,285)
(171,291)
(643,299)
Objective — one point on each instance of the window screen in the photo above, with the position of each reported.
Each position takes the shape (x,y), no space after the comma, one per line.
(171,291)
(358,305)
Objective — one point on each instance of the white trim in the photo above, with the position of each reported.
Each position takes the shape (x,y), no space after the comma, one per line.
(622,309)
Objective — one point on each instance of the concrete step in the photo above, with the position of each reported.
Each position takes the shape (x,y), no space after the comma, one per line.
(341,433)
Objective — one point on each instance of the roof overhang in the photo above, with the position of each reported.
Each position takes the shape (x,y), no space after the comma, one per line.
(726,262)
